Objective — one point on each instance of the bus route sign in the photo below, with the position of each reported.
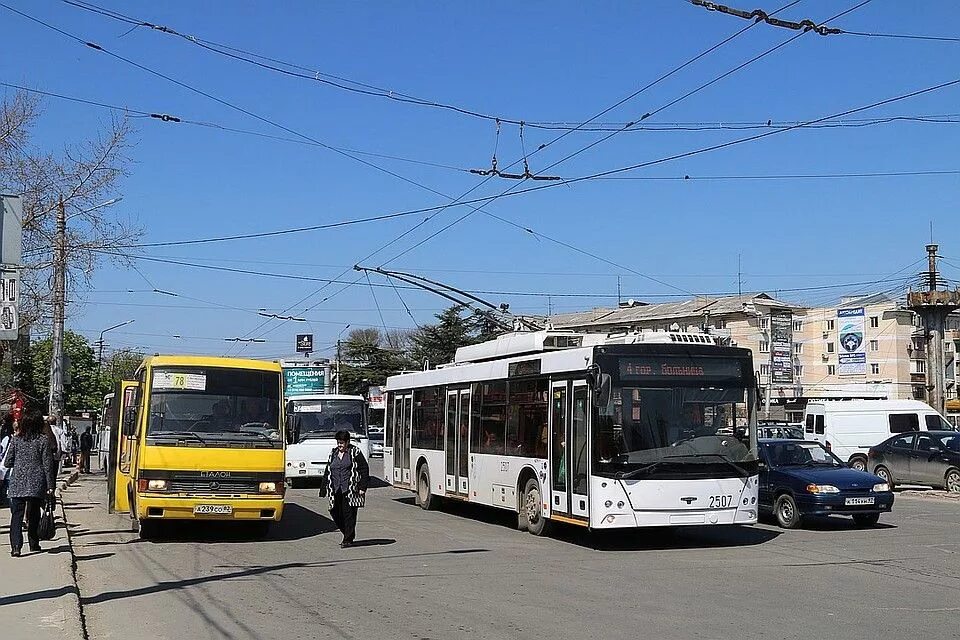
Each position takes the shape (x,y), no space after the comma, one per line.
(301,380)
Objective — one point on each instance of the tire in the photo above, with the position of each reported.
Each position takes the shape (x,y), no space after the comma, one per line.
(532,509)
(951,481)
(866,519)
(786,512)
(859,463)
(425,499)
(884,474)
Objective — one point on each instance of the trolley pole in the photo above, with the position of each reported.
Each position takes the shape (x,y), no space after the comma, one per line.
(59,304)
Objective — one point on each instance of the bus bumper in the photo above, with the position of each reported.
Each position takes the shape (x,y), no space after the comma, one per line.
(155,507)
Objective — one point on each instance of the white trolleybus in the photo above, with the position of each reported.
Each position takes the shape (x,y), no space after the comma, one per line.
(602,431)
(316,419)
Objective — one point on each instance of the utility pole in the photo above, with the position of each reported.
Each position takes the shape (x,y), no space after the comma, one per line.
(337,386)
(100,350)
(59,304)
(933,307)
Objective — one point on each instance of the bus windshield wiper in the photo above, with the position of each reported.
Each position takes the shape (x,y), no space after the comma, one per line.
(254,433)
(177,434)
(742,471)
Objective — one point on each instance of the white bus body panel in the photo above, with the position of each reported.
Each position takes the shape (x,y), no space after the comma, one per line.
(494,478)
(654,503)
(436,464)
(853,426)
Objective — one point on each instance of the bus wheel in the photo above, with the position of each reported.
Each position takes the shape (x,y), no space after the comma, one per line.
(425,499)
(533,508)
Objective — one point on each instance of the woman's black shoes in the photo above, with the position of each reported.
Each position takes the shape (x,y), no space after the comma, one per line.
(15,553)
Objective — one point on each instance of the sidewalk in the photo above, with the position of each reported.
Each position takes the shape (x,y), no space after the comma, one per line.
(38,596)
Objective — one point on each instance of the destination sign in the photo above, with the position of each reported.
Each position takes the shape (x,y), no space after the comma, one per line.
(666,368)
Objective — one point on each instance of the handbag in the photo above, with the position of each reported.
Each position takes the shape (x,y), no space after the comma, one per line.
(47,528)
(323,486)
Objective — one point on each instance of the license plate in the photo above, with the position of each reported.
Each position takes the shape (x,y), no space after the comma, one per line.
(213,509)
(855,501)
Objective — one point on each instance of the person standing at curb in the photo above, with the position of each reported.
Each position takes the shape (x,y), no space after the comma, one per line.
(6,435)
(86,446)
(30,460)
(346,478)
(53,436)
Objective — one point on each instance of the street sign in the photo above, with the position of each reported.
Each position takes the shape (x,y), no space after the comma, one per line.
(11,233)
(304,342)
(303,380)
(781,347)
(376,399)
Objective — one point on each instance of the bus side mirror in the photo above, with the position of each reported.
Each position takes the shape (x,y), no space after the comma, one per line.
(292,427)
(130,422)
(601,393)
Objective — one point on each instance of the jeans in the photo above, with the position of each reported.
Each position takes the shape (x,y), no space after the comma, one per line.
(84,462)
(32,507)
(344,516)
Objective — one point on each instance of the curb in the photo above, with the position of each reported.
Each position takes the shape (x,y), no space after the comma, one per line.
(72,568)
(69,481)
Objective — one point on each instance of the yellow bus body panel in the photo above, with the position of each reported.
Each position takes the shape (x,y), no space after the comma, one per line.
(123,472)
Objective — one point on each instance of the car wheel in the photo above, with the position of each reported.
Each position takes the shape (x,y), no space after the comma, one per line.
(884,474)
(533,508)
(858,463)
(866,519)
(785,509)
(425,499)
(952,481)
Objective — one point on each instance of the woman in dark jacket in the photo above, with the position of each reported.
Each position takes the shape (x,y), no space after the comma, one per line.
(29,459)
(346,479)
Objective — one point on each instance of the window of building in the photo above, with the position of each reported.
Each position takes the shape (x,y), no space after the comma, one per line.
(798,325)
(764,369)
(874,345)
(427,418)
(874,322)
(797,348)
(490,417)
(719,324)
(831,347)
(875,368)
(919,366)
(527,418)
(764,347)
(764,322)
(917,343)
(831,369)
(831,325)
(798,370)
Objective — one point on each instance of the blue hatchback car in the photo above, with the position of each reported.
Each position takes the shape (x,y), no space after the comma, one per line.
(801,478)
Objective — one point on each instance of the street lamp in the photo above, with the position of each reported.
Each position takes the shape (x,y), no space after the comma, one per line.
(100,346)
(337,388)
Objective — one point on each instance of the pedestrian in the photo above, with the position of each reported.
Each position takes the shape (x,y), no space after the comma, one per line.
(346,478)
(74,442)
(54,438)
(31,480)
(86,446)
(6,435)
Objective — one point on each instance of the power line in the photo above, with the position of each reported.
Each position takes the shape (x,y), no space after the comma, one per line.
(794,176)
(900,36)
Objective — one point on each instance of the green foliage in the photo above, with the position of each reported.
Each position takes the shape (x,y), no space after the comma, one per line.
(437,344)
(367,358)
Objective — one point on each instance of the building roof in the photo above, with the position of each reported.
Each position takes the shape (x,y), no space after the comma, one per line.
(866,301)
(627,315)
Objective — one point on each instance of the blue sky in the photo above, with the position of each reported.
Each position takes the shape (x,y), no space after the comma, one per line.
(536,61)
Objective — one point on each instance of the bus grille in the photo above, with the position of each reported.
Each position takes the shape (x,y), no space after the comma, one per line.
(213,487)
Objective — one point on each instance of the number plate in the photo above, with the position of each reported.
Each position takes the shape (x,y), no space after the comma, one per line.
(213,509)
(855,501)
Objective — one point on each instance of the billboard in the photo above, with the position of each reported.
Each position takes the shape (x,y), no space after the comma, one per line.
(376,399)
(781,347)
(11,235)
(303,380)
(853,348)
(304,342)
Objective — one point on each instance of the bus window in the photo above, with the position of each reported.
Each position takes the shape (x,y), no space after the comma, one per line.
(428,418)
(579,451)
(559,439)
(527,419)
(492,427)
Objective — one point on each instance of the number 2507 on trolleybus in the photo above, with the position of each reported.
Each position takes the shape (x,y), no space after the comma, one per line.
(634,429)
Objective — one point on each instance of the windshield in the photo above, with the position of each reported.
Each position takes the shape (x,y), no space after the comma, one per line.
(798,454)
(326,417)
(677,430)
(215,403)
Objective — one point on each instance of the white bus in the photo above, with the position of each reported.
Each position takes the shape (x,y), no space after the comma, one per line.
(318,417)
(601,431)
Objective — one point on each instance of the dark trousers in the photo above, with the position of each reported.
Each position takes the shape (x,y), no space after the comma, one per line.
(84,462)
(344,516)
(19,506)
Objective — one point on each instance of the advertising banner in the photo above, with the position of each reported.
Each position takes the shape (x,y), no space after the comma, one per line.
(781,347)
(304,342)
(853,348)
(303,380)
(376,399)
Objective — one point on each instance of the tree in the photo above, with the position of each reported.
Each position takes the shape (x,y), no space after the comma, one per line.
(121,365)
(367,358)
(83,391)
(438,343)
(83,177)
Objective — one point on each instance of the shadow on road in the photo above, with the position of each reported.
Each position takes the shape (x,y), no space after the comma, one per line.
(840,523)
(298,523)
(373,542)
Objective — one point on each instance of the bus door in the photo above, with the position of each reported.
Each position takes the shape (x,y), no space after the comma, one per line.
(402,415)
(579,453)
(559,409)
(457,441)
(123,448)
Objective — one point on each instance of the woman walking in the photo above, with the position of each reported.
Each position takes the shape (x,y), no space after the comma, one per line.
(30,460)
(346,478)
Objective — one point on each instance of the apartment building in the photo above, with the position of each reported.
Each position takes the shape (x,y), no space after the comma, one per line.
(864,347)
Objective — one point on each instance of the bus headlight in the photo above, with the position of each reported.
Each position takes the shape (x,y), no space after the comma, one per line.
(881,487)
(822,488)
(152,485)
(268,487)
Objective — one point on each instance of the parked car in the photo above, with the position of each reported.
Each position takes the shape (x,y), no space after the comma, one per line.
(376,442)
(922,457)
(850,427)
(784,430)
(802,478)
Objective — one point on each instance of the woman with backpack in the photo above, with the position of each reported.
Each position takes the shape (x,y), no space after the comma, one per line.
(30,460)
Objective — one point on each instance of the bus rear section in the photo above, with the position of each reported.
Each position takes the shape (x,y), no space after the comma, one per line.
(625,431)
(210,441)
(315,420)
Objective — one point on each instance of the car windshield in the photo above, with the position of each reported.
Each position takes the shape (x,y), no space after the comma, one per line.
(951,442)
(215,402)
(794,454)
(326,417)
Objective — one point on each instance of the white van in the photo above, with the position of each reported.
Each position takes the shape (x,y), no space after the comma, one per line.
(850,427)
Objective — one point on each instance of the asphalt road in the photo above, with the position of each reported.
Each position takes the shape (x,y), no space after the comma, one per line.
(465,573)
